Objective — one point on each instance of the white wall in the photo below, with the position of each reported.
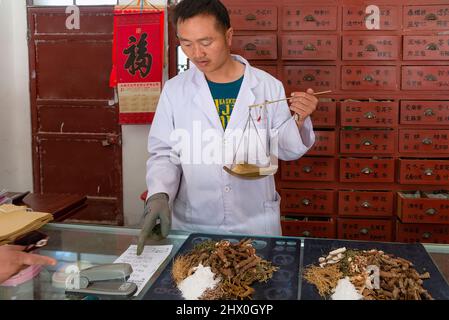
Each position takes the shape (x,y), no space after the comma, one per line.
(15,118)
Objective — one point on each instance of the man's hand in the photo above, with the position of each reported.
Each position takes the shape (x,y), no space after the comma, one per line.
(13,259)
(303,104)
(156,207)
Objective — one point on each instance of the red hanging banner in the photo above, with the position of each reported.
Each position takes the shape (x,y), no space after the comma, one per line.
(138,52)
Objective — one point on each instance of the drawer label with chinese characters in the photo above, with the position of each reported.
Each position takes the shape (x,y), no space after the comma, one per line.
(309,169)
(425,112)
(370,17)
(426,48)
(425,78)
(309,18)
(367,141)
(300,78)
(303,47)
(369,78)
(325,114)
(307,201)
(256,47)
(423,207)
(414,171)
(426,17)
(366,170)
(308,227)
(428,141)
(253,17)
(369,114)
(365,203)
(430,233)
(369,230)
(370,47)
(324,144)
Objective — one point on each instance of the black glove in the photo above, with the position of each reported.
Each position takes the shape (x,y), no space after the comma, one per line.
(156,207)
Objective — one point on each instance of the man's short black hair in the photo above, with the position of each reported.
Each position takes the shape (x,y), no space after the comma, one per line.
(190,8)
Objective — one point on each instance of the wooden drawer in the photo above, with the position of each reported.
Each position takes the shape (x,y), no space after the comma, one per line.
(300,78)
(430,233)
(427,141)
(425,112)
(426,17)
(308,227)
(367,141)
(365,203)
(270,69)
(423,209)
(308,169)
(304,47)
(324,144)
(253,17)
(255,47)
(309,18)
(425,78)
(371,47)
(366,170)
(426,48)
(364,229)
(358,18)
(423,171)
(369,78)
(325,114)
(369,114)
(307,201)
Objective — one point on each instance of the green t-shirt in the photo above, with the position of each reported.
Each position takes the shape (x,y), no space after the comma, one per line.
(225,95)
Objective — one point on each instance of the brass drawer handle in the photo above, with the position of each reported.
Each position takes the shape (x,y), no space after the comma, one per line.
(309,77)
(431,212)
(307,169)
(428,112)
(432,47)
(366,204)
(371,48)
(370,115)
(310,47)
(309,18)
(367,171)
(427,141)
(306,202)
(428,172)
(306,234)
(364,231)
(427,235)
(250,17)
(367,142)
(369,78)
(431,16)
(250,47)
(430,77)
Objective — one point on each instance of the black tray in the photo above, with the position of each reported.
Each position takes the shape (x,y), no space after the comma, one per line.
(283,253)
(416,253)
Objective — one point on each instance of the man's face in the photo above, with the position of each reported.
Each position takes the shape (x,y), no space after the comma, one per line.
(204,43)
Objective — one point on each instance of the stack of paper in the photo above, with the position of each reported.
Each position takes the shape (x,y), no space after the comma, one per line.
(15,221)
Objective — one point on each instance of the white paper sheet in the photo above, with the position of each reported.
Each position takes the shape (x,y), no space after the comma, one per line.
(145,265)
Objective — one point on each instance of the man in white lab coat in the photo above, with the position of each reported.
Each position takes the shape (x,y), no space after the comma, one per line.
(199,115)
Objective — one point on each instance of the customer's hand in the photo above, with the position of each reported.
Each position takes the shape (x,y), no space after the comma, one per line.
(303,104)
(156,208)
(13,259)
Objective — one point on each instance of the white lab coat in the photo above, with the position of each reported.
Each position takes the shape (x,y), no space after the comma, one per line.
(203,197)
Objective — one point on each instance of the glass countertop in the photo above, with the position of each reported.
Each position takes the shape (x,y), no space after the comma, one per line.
(88,245)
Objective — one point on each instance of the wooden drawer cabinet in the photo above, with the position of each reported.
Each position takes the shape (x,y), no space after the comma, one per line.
(424,141)
(268,68)
(366,170)
(253,17)
(426,47)
(324,144)
(301,17)
(431,233)
(365,203)
(308,201)
(371,47)
(308,227)
(427,17)
(256,47)
(424,112)
(423,171)
(367,141)
(309,169)
(300,78)
(301,47)
(423,207)
(369,114)
(358,17)
(425,78)
(369,78)
(325,114)
(364,229)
